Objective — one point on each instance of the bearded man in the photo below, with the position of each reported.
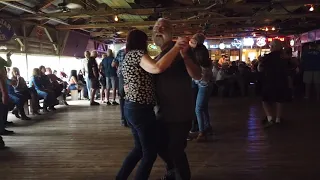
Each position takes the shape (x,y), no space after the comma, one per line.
(175,108)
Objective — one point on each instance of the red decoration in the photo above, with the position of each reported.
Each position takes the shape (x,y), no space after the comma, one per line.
(279,38)
(39,32)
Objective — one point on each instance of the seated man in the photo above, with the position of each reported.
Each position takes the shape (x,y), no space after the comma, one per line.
(22,89)
(18,100)
(57,85)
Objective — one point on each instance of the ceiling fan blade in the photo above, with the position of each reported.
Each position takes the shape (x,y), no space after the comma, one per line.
(73,6)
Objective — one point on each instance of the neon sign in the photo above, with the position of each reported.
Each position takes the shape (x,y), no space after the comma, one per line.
(237,43)
(279,38)
(292,42)
(222,46)
(218,46)
(152,46)
(248,42)
(261,41)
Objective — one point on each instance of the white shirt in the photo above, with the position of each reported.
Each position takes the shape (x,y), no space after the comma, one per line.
(85,67)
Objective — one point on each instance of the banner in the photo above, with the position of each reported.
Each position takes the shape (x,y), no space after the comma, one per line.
(6,31)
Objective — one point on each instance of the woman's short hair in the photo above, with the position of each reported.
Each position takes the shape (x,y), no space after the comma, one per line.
(137,40)
(36,72)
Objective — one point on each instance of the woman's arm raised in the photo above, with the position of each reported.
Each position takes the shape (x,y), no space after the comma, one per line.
(156,67)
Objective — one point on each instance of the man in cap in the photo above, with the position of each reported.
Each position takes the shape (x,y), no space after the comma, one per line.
(175,110)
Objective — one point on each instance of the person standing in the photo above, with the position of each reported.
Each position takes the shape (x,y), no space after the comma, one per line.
(275,86)
(93,74)
(117,63)
(86,72)
(311,68)
(175,106)
(4,101)
(204,85)
(110,73)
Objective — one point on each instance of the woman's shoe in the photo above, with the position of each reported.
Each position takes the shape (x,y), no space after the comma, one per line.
(16,113)
(26,118)
(202,137)
(36,113)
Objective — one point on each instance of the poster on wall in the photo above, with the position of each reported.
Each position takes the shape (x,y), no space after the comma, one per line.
(6,31)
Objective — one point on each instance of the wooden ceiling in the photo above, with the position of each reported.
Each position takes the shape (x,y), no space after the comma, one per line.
(216,18)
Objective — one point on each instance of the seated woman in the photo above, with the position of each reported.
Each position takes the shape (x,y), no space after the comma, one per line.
(74,82)
(17,99)
(22,89)
(46,94)
(58,86)
(45,81)
(81,79)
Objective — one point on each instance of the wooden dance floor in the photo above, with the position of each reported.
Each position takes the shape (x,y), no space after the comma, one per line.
(87,143)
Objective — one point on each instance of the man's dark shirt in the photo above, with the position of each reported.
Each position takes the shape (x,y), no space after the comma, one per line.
(275,71)
(174,92)
(92,66)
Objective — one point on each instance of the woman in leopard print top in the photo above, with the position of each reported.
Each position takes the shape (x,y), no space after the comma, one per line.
(137,70)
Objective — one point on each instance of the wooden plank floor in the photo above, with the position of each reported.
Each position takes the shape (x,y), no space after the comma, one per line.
(81,143)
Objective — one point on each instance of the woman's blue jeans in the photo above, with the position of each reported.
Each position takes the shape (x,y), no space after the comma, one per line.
(142,120)
(202,106)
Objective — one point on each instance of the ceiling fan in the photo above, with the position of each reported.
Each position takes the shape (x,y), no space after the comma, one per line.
(66,6)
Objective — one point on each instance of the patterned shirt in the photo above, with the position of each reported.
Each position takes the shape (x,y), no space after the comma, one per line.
(119,59)
(141,87)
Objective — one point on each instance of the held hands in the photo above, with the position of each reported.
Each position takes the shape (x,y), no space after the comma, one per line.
(183,44)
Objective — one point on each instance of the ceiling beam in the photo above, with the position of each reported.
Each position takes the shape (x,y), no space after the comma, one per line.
(150,11)
(2,6)
(45,4)
(264,18)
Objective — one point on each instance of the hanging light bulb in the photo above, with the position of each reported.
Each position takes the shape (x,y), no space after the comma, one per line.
(267,29)
(311,8)
(254,35)
(116,18)
(273,29)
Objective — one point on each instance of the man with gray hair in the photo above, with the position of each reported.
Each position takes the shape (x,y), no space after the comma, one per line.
(275,86)
(93,74)
(175,108)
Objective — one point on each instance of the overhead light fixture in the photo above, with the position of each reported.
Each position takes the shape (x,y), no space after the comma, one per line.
(3,48)
(273,29)
(116,18)
(311,8)
(254,35)
(267,29)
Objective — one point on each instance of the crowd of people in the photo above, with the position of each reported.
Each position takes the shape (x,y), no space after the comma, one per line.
(165,100)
